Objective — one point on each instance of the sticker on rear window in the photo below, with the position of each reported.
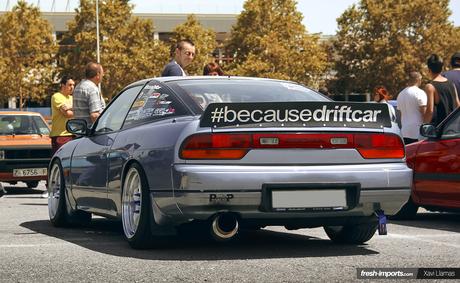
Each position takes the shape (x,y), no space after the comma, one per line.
(297,114)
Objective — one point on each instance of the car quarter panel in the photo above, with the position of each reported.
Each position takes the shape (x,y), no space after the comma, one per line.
(152,145)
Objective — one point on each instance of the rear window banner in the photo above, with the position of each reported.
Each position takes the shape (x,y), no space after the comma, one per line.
(297,114)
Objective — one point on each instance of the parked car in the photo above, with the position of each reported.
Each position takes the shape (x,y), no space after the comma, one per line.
(231,153)
(436,165)
(25,147)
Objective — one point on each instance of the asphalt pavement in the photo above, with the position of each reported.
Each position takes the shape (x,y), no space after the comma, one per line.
(32,250)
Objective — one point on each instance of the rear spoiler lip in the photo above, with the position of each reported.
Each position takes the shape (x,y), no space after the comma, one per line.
(300,129)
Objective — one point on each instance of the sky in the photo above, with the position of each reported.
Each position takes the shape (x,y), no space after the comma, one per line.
(319,15)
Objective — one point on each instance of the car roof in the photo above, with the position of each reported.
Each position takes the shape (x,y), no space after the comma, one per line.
(25,113)
(197,78)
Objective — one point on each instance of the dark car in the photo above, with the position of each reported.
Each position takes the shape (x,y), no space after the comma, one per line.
(436,165)
(231,153)
(25,147)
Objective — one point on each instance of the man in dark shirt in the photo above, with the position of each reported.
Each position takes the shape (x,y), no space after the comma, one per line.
(454,74)
(183,56)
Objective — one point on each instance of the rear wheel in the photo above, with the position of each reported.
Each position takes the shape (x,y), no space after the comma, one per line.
(59,213)
(136,209)
(32,184)
(351,234)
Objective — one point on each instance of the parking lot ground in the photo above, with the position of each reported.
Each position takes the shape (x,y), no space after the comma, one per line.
(32,250)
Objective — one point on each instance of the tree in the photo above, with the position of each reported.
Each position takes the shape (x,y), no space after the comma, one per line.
(380,42)
(204,40)
(28,54)
(128,50)
(269,40)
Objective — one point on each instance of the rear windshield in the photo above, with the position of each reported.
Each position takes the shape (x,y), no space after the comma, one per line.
(22,125)
(205,91)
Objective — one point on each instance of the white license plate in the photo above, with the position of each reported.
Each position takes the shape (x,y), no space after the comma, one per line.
(30,172)
(309,198)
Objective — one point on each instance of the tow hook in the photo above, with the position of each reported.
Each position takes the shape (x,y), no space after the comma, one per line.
(382,222)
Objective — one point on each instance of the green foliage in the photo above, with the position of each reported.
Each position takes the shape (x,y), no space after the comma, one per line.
(128,51)
(27,54)
(380,42)
(269,40)
(204,40)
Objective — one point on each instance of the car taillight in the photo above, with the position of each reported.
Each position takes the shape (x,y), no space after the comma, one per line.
(236,146)
(374,145)
(216,146)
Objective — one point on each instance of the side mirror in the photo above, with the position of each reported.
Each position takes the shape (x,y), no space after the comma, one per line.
(429,131)
(77,127)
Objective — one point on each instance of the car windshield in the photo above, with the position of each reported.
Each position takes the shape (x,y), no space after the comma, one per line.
(209,91)
(22,125)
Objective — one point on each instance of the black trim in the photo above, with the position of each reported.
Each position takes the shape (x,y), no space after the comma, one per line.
(352,191)
(437,176)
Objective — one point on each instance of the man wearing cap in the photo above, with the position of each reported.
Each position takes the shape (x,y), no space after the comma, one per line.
(454,74)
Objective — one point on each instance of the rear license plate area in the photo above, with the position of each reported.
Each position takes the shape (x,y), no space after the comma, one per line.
(309,197)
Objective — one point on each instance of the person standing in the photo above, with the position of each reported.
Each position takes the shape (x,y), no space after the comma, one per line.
(183,56)
(87,100)
(212,69)
(61,112)
(442,97)
(412,106)
(454,74)
(381,95)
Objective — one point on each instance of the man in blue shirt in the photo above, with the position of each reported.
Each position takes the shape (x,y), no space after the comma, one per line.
(183,56)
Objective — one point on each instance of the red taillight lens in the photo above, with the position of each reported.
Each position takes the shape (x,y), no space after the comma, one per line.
(379,145)
(216,146)
(236,146)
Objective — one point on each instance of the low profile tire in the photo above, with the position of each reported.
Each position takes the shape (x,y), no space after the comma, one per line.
(136,209)
(32,184)
(59,213)
(407,212)
(351,234)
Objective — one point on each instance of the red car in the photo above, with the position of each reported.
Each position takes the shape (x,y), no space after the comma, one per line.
(436,165)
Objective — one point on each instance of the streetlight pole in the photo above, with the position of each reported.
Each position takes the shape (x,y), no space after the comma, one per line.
(98,55)
(97,33)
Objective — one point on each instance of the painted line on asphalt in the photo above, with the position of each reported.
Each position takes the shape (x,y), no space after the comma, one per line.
(72,242)
(418,238)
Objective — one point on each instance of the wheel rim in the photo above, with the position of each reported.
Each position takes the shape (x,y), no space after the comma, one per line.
(54,185)
(132,202)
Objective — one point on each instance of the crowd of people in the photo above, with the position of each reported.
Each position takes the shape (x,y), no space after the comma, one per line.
(432,104)
(417,106)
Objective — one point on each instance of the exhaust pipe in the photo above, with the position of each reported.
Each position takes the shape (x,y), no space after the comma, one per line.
(224,227)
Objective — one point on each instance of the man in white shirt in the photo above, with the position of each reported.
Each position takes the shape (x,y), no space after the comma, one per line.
(412,104)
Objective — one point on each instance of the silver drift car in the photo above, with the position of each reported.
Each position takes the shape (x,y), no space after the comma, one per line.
(231,153)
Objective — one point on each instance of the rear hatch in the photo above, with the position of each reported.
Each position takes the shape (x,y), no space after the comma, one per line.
(294,133)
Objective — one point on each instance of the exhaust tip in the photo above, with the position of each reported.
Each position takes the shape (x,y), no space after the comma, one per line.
(224,227)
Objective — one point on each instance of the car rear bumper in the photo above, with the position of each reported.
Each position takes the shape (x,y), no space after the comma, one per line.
(200,191)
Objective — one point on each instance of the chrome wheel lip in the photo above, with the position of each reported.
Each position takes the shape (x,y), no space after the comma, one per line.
(131,202)
(54,185)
